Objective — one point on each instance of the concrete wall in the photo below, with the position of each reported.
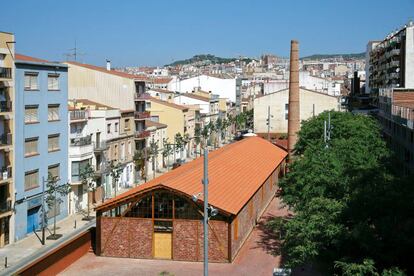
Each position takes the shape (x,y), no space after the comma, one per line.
(101,87)
(309,101)
(42,97)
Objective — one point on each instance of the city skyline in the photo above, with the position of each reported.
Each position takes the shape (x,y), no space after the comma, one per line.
(136,34)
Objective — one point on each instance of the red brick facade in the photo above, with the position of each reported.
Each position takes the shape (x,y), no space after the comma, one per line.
(126,237)
(188,239)
(133,237)
(247,218)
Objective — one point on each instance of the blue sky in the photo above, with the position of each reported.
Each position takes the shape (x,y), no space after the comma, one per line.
(159,32)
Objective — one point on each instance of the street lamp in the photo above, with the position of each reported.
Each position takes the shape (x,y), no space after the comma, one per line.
(213,211)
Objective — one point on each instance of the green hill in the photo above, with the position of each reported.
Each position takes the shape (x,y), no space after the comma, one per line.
(345,56)
(205,59)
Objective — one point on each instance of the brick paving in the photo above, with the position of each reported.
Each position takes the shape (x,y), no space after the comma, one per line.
(258,256)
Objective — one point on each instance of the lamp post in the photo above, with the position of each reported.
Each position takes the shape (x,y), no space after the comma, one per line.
(205,219)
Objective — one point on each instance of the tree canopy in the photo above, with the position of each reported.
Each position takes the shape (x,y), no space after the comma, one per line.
(352,212)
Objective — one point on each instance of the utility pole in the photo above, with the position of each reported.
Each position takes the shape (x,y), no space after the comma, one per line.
(268,123)
(205,193)
(43,210)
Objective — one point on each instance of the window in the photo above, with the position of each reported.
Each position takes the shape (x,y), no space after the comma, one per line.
(53,142)
(148,105)
(30,146)
(116,127)
(251,208)
(53,81)
(155,118)
(31,81)
(122,151)
(286,111)
(129,148)
(31,114)
(31,180)
(127,126)
(77,168)
(115,152)
(54,170)
(53,112)
(108,128)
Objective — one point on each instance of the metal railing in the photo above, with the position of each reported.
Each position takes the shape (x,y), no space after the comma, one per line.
(5,106)
(142,134)
(99,146)
(5,205)
(142,115)
(5,73)
(6,173)
(6,139)
(80,141)
(78,115)
(142,96)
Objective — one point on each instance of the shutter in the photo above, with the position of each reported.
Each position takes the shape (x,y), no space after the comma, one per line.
(26,81)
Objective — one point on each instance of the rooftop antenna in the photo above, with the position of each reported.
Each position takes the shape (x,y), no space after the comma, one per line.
(327,130)
(74,53)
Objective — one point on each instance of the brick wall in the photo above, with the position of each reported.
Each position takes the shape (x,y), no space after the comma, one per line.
(126,237)
(188,237)
(251,212)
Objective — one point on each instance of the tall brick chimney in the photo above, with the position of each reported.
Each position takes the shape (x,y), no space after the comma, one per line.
(294,108)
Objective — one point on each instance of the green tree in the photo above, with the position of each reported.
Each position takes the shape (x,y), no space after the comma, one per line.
(140,162)
(197,137)
(179,144)
(87,177)
(115,171)
(349,204)
(166,150)
(54,194)
(153,151)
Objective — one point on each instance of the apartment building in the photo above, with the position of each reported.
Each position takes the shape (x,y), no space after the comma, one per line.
(41,139)
(107,136)
(222,85)
(396,115)
(7,117)
(118,90)
(390,62)
(390,76)
(158,132)
(208,104)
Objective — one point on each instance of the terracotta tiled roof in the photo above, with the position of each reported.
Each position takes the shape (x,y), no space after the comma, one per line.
(197,97)
(236,172)
(113,72)
(173,105)
(159,80)
(20,57)
(399,97)
(149,123)
(162,90)
(89,102)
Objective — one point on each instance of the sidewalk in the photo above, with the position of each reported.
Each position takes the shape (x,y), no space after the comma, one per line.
(23,248)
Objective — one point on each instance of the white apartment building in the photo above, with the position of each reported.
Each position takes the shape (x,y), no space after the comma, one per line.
(307,81)
(225,87)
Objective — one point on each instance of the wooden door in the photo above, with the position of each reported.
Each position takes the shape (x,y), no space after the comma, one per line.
(162,245)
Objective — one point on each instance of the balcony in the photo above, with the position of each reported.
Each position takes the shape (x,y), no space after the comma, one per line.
(80,141)
(5,205)
(5,73)
(142,134)
(6,139)
(141,97)
(6,174)
(5,106)
(78,115)
(141,115)
(100,146)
